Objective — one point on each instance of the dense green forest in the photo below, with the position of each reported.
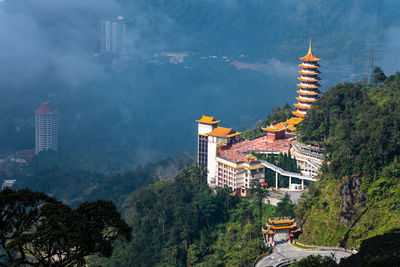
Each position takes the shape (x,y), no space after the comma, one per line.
(73,185)
(358,196)
(183,223)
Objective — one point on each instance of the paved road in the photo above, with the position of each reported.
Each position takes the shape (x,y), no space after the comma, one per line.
(283,252)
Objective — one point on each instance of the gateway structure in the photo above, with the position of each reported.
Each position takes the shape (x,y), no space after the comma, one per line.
(275,226)
(228,158)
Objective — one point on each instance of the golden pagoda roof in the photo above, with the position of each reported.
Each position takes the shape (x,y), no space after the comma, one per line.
(275,128)
(307,67)
(292,128)
(306,100)
(294,120)
(307,87)
(207,120)
(283,227)
(309,73)
(223,132)
(308,93)
(297,105)
(310,56)
(280,220)
(314,79)
(298,114)
(271,232)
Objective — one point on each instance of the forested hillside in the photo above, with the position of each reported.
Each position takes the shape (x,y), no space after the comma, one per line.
(358,196)
(183,223)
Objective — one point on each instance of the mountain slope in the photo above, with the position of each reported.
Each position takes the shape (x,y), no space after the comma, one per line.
(359,193)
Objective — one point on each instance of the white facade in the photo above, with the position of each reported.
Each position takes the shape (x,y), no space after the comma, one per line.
(238,175)
(212,161)
(46,132)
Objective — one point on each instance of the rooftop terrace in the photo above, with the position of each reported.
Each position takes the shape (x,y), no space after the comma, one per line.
(236,153)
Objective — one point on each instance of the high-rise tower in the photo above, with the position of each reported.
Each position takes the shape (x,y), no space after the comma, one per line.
(309,84)
(112,35)
(46,137)
(206,125)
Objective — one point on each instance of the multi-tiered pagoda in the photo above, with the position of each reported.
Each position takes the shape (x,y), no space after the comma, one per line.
(309,84)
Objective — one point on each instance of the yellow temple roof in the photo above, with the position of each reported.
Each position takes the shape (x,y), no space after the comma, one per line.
(275,128)
(310,56)
(308,67)
(294,120)
(223,132)
(309,80)
(298,114)
(207,120)
(297,105)
(308,93)
(307,87)
(306,100)
(309,73)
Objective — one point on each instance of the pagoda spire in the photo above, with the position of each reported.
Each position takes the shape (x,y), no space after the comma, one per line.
(309,84)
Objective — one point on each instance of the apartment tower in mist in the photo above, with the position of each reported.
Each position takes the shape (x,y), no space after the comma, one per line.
(112,35)
(46,137)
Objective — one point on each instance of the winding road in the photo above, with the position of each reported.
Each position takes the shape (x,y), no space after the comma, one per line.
(283,253)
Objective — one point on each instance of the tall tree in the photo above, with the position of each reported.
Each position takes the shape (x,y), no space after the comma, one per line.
(39,230)
(258,193)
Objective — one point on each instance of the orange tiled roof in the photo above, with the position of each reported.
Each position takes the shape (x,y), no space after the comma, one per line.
(275,128)
(223,132)
(307,87)
(308,67)
(207,120)
(311,100)
(309,73)
(294,120)
(315,79)
(298,114)
(310,93)
(297,105)
(281,221)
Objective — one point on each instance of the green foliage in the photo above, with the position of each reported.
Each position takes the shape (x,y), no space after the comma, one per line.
(377,77)
(285,208)
(37,230)
(284,161)
(381,250)
(74,186)
(277,115)
(183,223)
(360,130)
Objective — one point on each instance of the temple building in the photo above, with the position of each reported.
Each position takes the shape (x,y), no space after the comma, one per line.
(309,84)
(205,125)
(229,159)
(284,225)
